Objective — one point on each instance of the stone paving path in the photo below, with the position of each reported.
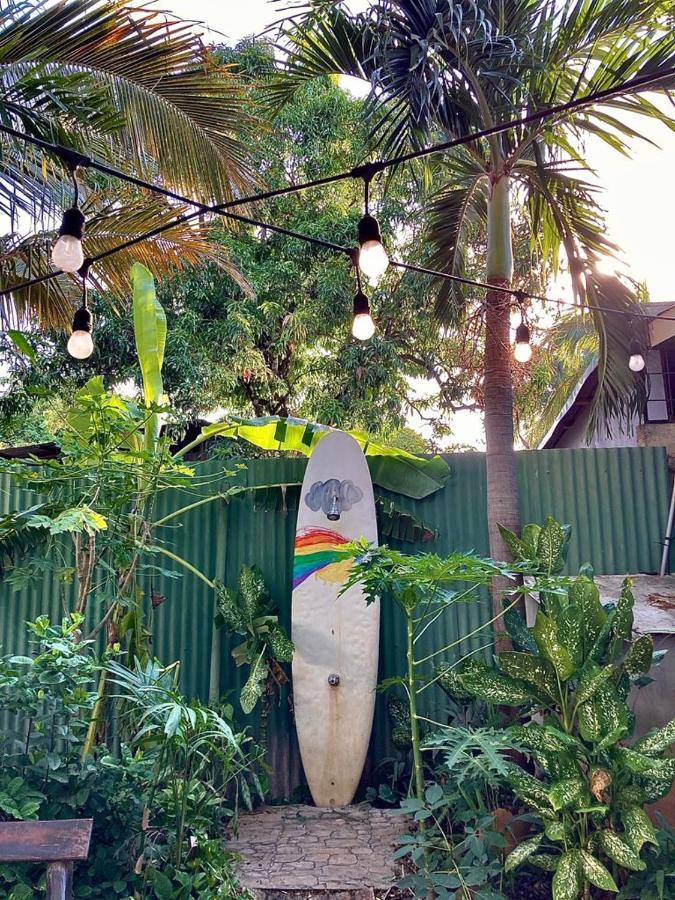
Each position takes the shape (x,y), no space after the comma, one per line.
(302,848)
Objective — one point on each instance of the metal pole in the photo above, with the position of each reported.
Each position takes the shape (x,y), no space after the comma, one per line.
(669,530)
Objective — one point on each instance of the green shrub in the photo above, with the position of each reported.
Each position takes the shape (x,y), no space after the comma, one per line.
(158,806)
(571,675)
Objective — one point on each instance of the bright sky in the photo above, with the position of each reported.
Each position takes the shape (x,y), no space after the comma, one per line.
(638,192)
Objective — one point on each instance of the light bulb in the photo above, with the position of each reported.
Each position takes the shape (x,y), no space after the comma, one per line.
(373,260)
(363,327)
(523,348)
(68,254)
(80,345)
(523,353)
(636,362)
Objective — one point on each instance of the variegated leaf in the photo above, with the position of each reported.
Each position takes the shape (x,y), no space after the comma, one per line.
(568,879)
(638,828)
(594,871)
(586,595)
(639,658)
(522,852)
(533,669)
(657,741)
(552,646)
(568,792)
(492,687)
(619,851)
(592,677)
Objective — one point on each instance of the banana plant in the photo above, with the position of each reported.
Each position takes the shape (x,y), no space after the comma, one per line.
(570,676)
(248,612)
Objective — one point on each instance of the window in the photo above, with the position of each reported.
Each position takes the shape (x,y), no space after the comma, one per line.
(661,369)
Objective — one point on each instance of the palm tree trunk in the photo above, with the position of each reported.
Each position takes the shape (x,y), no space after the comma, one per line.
(502,476)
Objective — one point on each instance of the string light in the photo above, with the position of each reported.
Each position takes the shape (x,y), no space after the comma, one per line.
(636,361)
(373,258)
(67,253)
(523,349)
(363,327)
(80,343)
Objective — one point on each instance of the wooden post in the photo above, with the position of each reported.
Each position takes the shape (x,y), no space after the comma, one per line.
(58,843)
(60,881)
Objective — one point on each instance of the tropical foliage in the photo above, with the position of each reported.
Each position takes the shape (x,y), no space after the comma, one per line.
(158,803)
(572,673)
(247,612)
(443,71)
(133,88)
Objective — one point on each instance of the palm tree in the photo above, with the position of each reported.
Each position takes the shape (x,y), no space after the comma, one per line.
(135,88)
(439,70)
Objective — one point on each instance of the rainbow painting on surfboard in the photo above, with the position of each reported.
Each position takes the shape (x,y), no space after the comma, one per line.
(319,551)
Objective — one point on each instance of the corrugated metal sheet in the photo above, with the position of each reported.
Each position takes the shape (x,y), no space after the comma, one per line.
(615,499)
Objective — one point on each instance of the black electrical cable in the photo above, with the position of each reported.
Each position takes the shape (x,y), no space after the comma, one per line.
(74,159)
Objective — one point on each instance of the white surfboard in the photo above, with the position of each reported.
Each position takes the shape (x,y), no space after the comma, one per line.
(336,638)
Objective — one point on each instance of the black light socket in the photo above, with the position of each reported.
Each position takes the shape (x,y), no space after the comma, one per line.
(82,320)
(522,334)
(361,305)
(369,230)
(635,349)
(72,223)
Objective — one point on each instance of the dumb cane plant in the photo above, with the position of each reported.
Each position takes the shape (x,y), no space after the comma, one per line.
(248,612)
(571,675)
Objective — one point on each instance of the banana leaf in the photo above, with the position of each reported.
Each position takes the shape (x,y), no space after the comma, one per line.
(390,468)
(150,335)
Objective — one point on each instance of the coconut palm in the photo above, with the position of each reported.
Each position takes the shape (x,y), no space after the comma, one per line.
(440,69)
(134,87)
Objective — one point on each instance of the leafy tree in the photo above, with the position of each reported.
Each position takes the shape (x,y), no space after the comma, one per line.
(443,70)
(277,340)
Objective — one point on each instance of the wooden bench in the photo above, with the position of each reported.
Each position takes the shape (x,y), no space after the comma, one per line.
(58,843)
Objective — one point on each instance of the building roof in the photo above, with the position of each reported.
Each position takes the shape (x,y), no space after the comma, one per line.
(585,387)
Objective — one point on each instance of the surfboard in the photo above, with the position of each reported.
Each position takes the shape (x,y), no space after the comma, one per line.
(336,638)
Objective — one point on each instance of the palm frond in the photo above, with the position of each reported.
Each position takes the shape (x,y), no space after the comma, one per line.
(171,108)
(110,223)
(565,215)
(455,213)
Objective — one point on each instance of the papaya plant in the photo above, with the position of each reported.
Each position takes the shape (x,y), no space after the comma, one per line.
(248,612)
(571,675)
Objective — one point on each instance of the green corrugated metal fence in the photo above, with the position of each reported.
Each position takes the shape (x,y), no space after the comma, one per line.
(615,499)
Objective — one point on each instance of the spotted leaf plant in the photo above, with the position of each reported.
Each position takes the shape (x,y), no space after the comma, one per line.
(248,613)
(570,676)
